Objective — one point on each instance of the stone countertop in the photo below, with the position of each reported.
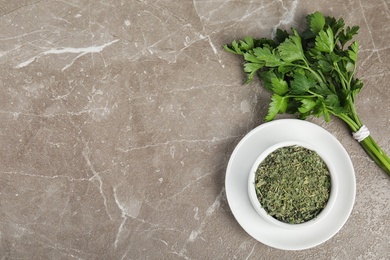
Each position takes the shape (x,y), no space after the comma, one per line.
(118,119)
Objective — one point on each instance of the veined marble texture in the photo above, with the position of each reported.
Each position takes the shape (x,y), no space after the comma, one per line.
(118,119)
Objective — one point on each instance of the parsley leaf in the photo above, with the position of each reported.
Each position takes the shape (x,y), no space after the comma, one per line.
(307,105)
(291,49)
(278,105)
(301,84)
(279,86)
(316,22)
(251,69)
(325,41)
(353,50)
(268,56)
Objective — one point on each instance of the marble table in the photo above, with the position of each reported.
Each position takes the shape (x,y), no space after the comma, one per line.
(118,119)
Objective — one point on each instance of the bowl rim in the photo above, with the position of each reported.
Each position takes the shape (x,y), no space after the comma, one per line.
(261,211)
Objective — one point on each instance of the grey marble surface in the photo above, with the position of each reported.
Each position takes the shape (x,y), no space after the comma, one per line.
(118,119)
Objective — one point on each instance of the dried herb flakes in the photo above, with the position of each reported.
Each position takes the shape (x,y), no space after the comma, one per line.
(293,184)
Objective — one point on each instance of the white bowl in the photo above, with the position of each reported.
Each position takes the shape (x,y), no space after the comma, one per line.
(256,204)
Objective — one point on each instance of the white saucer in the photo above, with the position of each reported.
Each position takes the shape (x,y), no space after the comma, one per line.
(236,183)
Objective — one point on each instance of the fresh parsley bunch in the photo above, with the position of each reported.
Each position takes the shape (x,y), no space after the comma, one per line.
(310,73)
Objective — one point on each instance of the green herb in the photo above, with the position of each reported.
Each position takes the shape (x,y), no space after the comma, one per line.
(311,73)
(293,184)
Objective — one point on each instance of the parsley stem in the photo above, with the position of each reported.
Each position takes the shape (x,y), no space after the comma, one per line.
(376,153)
(354,113)
(350,122)
(300,96)
(351,75)
(322,75)
(315,74)
(368,144)
(343,80)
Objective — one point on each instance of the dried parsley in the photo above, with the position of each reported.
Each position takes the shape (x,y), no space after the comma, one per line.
(293,184)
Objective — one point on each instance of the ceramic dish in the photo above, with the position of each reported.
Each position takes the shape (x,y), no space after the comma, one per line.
(244,156)
(256,204)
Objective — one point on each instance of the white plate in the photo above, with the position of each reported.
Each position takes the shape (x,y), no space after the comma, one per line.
(241,161)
